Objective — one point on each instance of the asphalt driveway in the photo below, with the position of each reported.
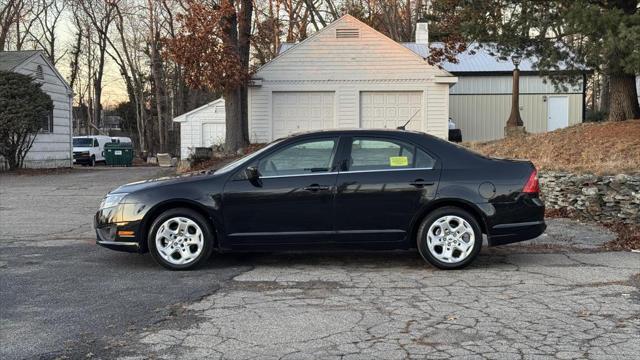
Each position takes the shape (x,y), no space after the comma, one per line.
(62,296)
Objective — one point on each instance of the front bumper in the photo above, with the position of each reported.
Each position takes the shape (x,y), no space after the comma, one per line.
(81,158)
(114,233)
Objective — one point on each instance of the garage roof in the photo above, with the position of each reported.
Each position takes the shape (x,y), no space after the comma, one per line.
(478,58)
(183,117)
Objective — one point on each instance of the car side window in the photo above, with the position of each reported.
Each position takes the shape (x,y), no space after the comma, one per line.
(95,143)
(424,160)
(308,157)
(386,154)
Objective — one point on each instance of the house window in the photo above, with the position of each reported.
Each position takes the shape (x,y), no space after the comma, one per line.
(46,123)
(39,73)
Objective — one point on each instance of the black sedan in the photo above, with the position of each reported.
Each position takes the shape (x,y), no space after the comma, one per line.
(364,189)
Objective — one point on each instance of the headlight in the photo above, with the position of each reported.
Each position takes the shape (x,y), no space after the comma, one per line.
(112,200)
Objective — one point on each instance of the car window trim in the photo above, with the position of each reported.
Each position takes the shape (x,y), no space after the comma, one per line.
(346,172)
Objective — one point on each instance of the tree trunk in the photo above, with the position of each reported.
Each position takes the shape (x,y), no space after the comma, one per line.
(623,100)
(604,93)
(244,47)
(233,113)
(234,138)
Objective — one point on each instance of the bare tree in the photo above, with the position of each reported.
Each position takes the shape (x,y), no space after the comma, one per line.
(9,16)
(46,15)
(100,15)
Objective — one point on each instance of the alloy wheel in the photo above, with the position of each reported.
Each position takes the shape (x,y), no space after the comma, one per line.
(450,239)
(179,240)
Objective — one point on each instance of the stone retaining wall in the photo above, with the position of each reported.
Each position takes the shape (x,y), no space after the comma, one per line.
(599,198)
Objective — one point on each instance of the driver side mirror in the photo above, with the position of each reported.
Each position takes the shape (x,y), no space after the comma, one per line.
(253,175)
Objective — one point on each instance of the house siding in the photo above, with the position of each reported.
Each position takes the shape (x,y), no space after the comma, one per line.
(52,149)
(347,67)
(483,117)
(480,105)
(191,123)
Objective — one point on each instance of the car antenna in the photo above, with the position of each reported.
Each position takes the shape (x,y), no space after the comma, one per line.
(403,127)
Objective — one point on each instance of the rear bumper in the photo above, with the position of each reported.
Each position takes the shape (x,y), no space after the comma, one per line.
(520,220)
(510,233)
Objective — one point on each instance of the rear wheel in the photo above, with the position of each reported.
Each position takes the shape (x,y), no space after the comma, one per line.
(180,239)
(449,238)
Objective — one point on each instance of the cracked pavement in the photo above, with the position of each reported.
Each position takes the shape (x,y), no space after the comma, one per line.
(392,306)
(558,296)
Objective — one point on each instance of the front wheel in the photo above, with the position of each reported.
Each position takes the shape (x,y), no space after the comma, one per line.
(449,238)
(92,161)
(180,239)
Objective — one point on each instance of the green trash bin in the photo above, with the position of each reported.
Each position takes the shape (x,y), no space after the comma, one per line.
(118,154)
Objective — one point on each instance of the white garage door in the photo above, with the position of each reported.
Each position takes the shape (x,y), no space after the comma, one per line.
(301,111)
(388,110)
(212,134)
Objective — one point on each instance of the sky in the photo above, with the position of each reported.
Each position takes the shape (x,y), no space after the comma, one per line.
(114,90)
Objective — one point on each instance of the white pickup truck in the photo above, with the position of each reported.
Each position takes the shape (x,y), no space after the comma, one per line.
(89,149)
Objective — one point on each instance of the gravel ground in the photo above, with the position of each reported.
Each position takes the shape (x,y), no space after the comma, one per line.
(557,296)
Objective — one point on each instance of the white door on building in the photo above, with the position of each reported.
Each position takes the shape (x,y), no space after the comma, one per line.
(213,133)
(390,109)
(558,112)
(301,111)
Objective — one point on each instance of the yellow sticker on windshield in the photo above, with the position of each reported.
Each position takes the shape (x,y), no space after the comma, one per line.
(399,161)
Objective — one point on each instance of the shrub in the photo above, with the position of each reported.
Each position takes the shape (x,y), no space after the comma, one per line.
(23,104)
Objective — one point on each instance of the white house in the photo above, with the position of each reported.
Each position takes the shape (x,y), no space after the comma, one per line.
(346,75)
(201,127)
(53,145)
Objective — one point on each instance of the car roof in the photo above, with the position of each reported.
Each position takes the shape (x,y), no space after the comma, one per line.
(356,131)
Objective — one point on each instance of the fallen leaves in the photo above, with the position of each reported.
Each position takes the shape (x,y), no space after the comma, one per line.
(599,148)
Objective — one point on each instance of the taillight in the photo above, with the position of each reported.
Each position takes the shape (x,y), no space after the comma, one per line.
(532,186)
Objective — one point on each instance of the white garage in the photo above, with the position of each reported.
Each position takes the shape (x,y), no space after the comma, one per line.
(301,111)
(202,127)
(390,109)
(347,75)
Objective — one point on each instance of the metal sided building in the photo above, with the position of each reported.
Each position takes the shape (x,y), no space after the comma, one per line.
(480,102)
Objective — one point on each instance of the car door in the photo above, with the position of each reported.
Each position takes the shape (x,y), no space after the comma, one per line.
(291,203)
(381,186)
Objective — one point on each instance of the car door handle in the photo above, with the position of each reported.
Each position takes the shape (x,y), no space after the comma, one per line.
(419,183)
(316,187)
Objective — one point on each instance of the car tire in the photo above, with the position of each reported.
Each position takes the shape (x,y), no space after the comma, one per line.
(193,220)
(445,248)
(92,161)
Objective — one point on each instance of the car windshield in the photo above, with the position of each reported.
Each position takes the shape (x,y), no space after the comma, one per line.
(234,164)
(86,142)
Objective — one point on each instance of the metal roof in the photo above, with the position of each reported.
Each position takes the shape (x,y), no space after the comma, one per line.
(9,60)
(476,59)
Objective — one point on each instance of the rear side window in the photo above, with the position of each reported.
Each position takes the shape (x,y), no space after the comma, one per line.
(313,156)
(386,154)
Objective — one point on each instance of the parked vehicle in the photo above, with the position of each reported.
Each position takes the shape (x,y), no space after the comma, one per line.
(121,139)
(88,150)
(365,189)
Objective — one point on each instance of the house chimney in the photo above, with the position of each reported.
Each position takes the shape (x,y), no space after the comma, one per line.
(422,33)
